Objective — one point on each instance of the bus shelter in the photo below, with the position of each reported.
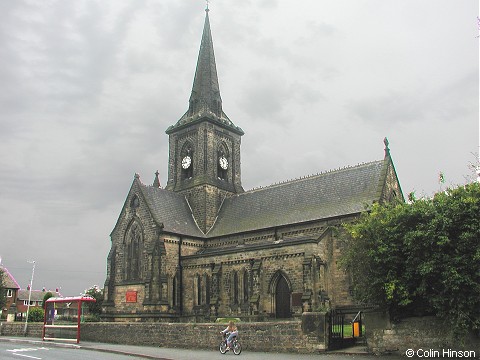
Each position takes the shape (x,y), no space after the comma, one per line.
(63,317)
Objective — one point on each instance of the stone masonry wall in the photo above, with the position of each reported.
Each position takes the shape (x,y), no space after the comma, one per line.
(338,279)
(288,260)
(424,335)
(305,336)
(253,336)
(17,329)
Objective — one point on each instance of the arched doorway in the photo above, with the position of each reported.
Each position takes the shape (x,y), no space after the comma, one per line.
(282,298)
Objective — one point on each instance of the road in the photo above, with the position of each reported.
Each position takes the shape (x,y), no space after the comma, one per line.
(38,350)
(32,352)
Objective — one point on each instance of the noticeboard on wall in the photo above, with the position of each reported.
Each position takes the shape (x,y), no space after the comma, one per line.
(131,296)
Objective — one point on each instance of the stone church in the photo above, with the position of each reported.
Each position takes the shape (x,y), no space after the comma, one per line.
(203,247)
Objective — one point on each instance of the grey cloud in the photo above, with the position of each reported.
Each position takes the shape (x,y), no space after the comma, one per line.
(89,87)
(268,4)
(272,89)
(62,61)
(448,103)
(394,108)
(320,29)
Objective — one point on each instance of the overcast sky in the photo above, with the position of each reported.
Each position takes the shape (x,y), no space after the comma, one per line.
(88,88)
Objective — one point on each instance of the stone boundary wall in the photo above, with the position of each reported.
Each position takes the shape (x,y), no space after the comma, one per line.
(424,335)
(306,336)
(18,328)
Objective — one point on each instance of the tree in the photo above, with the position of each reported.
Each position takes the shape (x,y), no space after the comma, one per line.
(36,314)
(47,296)
(95,308)
(421,258)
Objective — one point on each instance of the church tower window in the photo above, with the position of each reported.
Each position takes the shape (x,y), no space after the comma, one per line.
(222,162)
(187,161)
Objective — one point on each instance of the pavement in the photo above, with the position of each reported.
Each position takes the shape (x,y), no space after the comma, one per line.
(157,353)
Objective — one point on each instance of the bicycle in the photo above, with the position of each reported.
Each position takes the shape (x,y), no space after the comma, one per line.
(236,346)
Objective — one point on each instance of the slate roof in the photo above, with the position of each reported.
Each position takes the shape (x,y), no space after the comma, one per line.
(172,210)
(336,193)
(327,195)
(37,295)
(9,281)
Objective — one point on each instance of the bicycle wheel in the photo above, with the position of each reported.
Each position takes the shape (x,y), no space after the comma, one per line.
(237,348)
(222,347)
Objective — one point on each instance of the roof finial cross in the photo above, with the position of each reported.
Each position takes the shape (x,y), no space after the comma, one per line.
(387,149)
(207,9)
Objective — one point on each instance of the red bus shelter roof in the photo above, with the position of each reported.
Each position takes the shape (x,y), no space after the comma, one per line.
(71,299)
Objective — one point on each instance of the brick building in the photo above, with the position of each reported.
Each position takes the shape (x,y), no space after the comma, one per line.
(204,247)
(36,300)
(11,288)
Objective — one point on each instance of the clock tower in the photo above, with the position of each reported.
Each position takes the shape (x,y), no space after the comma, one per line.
(204,145)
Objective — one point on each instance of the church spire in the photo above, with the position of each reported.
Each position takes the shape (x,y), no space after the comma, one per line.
(204,145)
(205,101)
(206,91)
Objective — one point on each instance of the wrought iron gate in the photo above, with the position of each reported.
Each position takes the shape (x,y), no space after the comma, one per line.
(341,320)
(336,330)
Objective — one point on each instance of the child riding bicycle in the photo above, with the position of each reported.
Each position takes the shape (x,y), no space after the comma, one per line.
(232,332)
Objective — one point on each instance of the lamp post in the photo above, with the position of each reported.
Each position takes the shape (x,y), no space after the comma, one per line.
(29,297)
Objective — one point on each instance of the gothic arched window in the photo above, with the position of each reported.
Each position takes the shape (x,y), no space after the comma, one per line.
(156,272)
(197,290)
(135,202)
(245,286)
(206,288)
(174,291)
(133,252)
(235,287)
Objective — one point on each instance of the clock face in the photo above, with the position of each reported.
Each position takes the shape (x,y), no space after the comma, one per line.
(186,162)
(223,162)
